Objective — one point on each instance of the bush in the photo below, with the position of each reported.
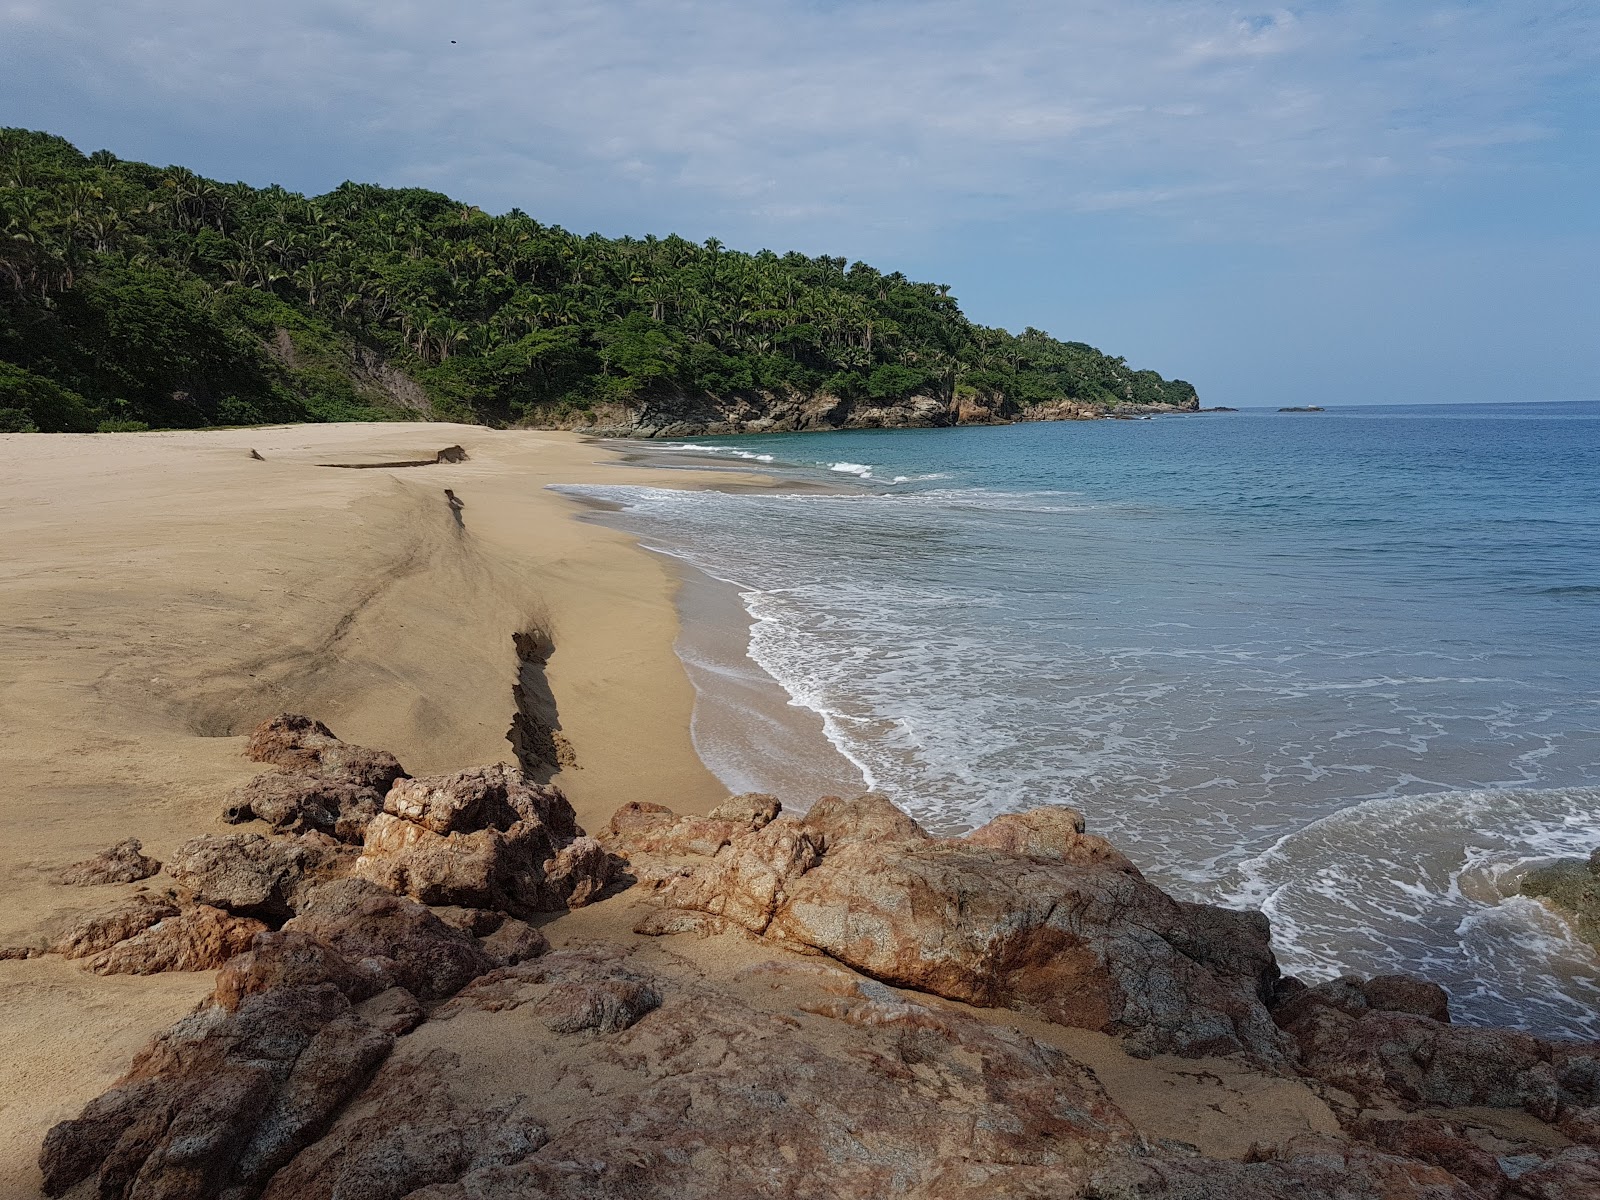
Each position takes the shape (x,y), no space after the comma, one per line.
(31,403)
(119,425)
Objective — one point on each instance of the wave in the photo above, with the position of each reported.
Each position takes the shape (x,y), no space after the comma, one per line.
(1428,884)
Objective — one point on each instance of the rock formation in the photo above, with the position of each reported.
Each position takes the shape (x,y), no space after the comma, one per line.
(122,863)
(322,783)
(371,1047)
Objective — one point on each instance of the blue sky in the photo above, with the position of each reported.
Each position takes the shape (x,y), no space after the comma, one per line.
(1325,202)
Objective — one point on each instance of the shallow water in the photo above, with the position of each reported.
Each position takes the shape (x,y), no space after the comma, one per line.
(1339,666)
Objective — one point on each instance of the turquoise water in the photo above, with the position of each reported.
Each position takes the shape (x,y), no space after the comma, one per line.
(1344,667)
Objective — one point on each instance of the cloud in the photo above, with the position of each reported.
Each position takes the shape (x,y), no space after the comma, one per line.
(787,121)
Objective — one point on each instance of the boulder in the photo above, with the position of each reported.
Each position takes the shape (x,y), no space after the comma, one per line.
(101,930)
(295,802)
(486,839)
(514,942)
(1054,832)
(217,1103)
(122,863)
(395,940)
(304,746)
(1373,1040)
(291,958)
(250,874)
(201,938)
(1080,937)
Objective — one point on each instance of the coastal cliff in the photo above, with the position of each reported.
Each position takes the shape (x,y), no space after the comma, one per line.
(793,412)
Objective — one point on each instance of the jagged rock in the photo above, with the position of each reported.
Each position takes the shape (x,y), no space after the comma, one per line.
(514,942)
(217,1103)
(398,940)
(1054,832)
(480,922)
(305,746)
(1087,943)
(1435,1142)
(483,839)
(104,929)
(1394,1054)
(393,1010)
(754,809)
(201,938)
(290,958)
(1309,1167)
(122,863)
(247,873)
(408,1131)
(494,797)
(294,802)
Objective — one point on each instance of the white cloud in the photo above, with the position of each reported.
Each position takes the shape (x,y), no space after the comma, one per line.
(785,120)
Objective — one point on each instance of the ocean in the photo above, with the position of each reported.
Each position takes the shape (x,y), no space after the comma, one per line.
(1343,667)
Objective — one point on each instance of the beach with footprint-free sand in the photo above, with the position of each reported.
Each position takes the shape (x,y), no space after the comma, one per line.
(164,592)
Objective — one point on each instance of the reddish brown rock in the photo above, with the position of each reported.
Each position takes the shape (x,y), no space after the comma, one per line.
(201,938)
(302,745)
(1393,1054)
(250,874)
(484,839)
(217,1103)
(393,1010)
(1573,1174)
(1053,832)
(122,863)
(293,802)
(1086,942)
(395,941)
(104,929)
(751,809)
(1435,1142)
(514,942)
(289,958)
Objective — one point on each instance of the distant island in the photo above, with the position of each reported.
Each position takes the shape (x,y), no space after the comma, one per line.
(1304,408)
(135,296)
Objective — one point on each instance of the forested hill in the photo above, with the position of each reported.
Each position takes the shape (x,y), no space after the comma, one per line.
(137,295)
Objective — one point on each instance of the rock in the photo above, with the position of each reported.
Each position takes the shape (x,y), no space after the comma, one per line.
(247,873)
(483,839)
(514,942)
(104,929)
(1436,1142)
(301,745)
(1573,1174)
(394,1010)
(869,818)
(198,939)
(753,809)
(1571,886)
(480,922)
(1395,1055)
(1087,943)
(294,802)
(484,798)
(289,958)
(397,940)
(217,1103)
(1054,832)
(408,1131)
(122,863)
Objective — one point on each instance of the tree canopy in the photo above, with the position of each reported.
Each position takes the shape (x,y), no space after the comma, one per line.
(138,295)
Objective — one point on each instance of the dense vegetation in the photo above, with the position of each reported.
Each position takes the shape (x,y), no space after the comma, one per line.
(134,295)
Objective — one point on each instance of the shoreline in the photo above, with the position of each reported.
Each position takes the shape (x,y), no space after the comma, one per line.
(167,591)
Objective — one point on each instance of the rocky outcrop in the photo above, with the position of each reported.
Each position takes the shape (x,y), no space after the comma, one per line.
(122,863)
(792,412)
(1388,1041)
(322,784)
(1571,886)
(197,939)
(101,930)
(487,839)
(257,876)
(1062,924)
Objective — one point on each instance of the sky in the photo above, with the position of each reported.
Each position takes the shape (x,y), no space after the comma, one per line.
(1329,202)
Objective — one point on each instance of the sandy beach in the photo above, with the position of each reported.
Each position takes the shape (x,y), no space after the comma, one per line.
(163,592)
